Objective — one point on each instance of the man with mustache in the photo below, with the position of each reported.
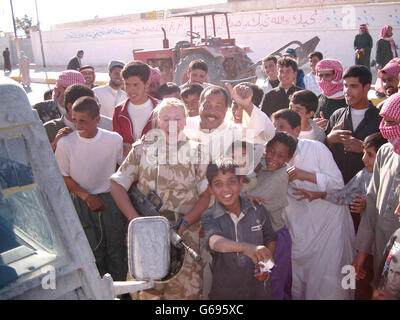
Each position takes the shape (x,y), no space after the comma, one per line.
(388,78)
(213,128)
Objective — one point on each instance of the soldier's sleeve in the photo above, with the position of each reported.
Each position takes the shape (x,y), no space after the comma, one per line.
(127,173)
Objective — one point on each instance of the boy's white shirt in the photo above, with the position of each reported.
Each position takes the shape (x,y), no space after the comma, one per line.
(90,162)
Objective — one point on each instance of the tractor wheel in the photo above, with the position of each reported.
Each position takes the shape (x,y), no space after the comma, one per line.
(215,69)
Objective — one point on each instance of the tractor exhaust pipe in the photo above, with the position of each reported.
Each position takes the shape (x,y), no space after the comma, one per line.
(165,41)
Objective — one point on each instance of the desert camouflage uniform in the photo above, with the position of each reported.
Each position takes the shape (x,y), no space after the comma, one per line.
(179,185)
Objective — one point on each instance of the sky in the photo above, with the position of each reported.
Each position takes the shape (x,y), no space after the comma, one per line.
(57,11)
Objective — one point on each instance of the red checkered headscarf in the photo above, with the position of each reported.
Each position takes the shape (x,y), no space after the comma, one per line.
(331,89)
(391,108)
(67,78)
(363,26)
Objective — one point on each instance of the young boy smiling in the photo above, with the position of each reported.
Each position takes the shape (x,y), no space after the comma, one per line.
(271,188)
(239,235)
(86,158)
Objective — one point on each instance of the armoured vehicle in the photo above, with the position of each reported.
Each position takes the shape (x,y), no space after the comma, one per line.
(44,253)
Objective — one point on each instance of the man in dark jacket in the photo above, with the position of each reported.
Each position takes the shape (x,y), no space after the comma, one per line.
(349,126)
(7,61)
(362,46)
(385,47)
(75,62)
(278,98)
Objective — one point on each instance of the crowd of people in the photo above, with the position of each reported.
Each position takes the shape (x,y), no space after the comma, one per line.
(281,186)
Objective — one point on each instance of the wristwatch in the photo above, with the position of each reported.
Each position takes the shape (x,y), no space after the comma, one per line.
(182,221)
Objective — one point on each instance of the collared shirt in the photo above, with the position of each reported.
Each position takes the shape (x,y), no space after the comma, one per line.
(254,227)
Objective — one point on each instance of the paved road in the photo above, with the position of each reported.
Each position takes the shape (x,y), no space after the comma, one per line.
(43,79)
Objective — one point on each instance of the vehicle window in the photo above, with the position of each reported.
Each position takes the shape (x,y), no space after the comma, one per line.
(27,240)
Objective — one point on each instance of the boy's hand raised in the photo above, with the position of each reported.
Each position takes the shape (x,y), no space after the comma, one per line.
(322,121)
(242,95)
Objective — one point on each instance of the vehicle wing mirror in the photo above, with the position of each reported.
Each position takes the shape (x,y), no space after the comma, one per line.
(148,248)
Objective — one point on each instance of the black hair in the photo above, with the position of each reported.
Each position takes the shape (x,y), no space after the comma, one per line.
(138,69)
(361,72)
(75,91)
(317,54)
(167,88)
(306,98)
(193,88)
(48,94)
(285,139)
(375,140)
(258,94)
(287,62)
(198,64)
(224,165)
(215,90)
(291,116)
(87,105)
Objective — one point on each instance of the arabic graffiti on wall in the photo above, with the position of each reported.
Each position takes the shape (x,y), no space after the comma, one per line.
(261,21)
(344,17)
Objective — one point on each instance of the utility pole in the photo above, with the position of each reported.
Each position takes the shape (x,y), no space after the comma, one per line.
(40,35)
(15,30)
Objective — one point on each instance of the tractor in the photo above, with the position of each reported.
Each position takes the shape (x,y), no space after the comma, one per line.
(224,58)
(227,62)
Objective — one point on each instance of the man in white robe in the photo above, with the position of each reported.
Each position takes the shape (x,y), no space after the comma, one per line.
(322,232)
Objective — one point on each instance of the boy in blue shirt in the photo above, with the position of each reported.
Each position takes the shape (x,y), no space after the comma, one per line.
(239,235)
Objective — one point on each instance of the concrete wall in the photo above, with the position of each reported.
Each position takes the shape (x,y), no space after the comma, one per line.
(263,30)
(25,44)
